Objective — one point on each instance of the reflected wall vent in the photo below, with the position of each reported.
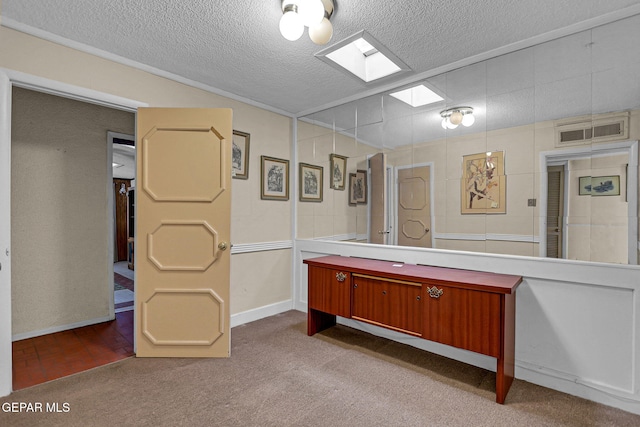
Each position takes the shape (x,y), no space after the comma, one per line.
(592,129)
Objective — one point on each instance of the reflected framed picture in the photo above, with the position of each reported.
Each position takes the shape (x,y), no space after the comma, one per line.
(599,185)
(584,186)
(352,194)
(274,178)
(358,187)
(240,155)
(338,171)
(483,184)
(361,186)
(310,183)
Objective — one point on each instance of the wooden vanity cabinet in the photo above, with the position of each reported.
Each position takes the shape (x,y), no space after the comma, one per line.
(392,304)
(463,318)
(330,296)
(466,309)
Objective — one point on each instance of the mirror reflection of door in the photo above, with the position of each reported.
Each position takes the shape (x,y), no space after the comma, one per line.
(378,215)
(555,211)
(414,207)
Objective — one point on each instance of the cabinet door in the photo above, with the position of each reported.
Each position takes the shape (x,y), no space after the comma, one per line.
(330,291)
(389,303)
(463,318)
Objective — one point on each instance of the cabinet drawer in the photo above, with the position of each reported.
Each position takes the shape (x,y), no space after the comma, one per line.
(462,318)
(388,303)
(330,291)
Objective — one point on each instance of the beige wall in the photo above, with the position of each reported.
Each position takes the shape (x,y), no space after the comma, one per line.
(598,225)
(333,217)
(253,220)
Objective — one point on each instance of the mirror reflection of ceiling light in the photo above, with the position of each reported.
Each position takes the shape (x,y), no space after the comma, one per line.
(363,56)
(417,96)
(453,117)
(314,14)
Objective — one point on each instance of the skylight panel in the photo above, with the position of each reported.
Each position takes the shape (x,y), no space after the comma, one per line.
(364,57)
(417,96)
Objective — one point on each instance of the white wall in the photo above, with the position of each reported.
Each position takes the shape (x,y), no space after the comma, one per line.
(575,321)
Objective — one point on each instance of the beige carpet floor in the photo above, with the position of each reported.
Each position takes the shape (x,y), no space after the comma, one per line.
(278,376)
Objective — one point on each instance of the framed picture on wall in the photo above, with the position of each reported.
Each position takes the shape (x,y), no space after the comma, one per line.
(605,185)
(310,183)
(274,178)
(352,193)
(357,188)
(240,155)
(599,185)
(338,171)
(361,184)
(584,186)
(483,184)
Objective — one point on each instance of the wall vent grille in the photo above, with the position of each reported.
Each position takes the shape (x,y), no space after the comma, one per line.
(589,130)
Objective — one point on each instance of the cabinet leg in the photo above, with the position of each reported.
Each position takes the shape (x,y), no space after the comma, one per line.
(318,321)
(504,378)
(505,371)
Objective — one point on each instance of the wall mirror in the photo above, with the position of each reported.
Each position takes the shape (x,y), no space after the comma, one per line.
(546,166)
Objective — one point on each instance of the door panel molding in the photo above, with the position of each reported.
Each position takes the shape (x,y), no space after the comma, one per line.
(176,238)
(209,183)
(157,308)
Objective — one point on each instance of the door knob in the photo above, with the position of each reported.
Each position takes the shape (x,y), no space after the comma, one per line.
(222,246)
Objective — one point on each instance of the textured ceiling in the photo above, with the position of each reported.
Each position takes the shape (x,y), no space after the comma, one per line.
(235,46)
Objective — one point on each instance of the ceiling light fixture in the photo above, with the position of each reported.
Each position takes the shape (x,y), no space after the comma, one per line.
(315,14)
(453,117)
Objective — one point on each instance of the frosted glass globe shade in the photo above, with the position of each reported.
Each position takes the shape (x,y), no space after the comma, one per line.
(311,11)
(444,124)
(321,33)
(291,26)
(451,125)
(468,120)
(456,118)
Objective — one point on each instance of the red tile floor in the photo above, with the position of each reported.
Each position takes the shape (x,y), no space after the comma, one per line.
(47,357)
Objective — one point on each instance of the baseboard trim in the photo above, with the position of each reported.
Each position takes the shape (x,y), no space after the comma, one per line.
(575,386)
(236,319)
(54,329)
(260,313)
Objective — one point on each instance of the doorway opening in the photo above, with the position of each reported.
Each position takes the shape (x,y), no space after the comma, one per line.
(592,225)
(124,182)
(59,195)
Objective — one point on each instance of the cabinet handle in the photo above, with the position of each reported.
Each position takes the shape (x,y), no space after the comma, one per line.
(418,298)
(434,292)
(384,292)
(355,285)
(340,277)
